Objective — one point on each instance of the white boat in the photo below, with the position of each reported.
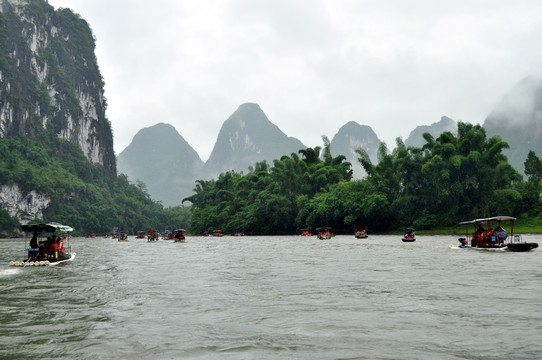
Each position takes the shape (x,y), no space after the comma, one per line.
(47,247)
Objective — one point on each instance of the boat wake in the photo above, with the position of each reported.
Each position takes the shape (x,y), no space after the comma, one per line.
(9,272)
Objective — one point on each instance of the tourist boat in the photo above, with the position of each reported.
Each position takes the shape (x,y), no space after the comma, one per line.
(485,237)
(361,232)
(178,235)
(410,235)
(123,236)
(306,232)
(218,233)
(46,248)
(90,236)
(152,236)
(140,235)
(168,235)
(324,233)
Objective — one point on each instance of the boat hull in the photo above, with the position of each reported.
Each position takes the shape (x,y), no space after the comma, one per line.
(408,239)
(42,263)
(494,249)
(519,247)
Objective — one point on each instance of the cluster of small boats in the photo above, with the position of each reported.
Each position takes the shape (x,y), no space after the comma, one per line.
(488,235)
(50,243)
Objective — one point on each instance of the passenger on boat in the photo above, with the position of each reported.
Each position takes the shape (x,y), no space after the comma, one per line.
(34,241)
(60,245)
(463,242)
(49,246)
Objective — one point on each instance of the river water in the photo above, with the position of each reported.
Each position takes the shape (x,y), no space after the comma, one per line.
(286,297)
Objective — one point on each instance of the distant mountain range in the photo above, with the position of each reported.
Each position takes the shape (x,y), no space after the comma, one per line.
(160,157)
(169,166)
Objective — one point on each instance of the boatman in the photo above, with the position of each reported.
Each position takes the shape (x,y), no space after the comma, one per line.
(34,241)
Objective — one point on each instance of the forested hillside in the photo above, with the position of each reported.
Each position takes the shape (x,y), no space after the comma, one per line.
(56,145)
(80,193)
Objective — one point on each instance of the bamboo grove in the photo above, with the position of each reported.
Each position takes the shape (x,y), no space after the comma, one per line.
(450,178)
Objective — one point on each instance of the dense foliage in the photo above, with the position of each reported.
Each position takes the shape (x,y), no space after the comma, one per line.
(82,194)
(267,200)
(449,179)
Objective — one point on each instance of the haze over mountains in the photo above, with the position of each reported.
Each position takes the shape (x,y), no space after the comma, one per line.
(169,166)
(517,119)
(163,160)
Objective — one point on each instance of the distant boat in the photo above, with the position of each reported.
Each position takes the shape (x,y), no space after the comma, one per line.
(152,236)
(361,232)
(324,233)
(306,232)
(123,236)
(178,235)
(410,235)
(217,233)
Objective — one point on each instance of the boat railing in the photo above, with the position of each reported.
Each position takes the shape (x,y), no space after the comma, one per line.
(515,239)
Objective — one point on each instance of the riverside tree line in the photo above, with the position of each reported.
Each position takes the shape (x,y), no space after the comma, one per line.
(449,179)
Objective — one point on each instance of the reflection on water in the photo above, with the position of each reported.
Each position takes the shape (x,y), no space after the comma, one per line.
(273,297)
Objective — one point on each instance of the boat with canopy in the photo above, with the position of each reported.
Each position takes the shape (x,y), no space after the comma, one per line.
(410,235)
(46,247)
(178,235)
(324,233)
(490,235)
(361,232)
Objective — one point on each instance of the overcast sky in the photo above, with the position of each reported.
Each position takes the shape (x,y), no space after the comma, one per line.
(312,65)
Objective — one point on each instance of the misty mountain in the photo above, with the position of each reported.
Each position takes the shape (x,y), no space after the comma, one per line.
(161,158)
(517,119)
(247,137)
(416,136)
(352,136)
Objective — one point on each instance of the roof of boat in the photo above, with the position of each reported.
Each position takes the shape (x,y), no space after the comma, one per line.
(323,228)
(176,230)
(49,227)
(489,219)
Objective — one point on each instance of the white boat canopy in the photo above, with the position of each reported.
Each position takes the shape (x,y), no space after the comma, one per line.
(489,219)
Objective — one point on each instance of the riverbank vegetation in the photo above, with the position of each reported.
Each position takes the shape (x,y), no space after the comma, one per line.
(449,179)
(82,194)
